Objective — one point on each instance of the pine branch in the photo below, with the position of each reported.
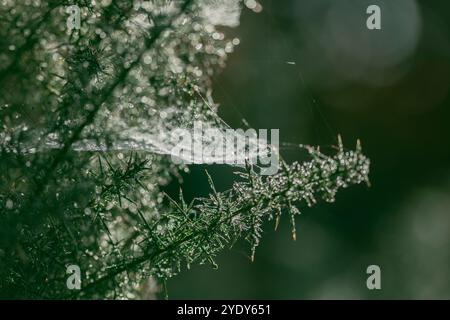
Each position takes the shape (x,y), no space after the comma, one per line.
(204,228)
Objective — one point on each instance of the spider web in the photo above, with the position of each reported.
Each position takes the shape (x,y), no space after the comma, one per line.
(155,132)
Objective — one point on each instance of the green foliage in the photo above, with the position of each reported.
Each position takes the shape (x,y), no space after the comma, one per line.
(77,186)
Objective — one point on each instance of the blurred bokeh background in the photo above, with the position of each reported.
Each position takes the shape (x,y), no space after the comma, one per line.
(312,69)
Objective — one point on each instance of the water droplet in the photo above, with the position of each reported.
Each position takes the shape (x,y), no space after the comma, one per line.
(9,204)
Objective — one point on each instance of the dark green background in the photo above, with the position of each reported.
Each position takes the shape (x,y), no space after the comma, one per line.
(390,88)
